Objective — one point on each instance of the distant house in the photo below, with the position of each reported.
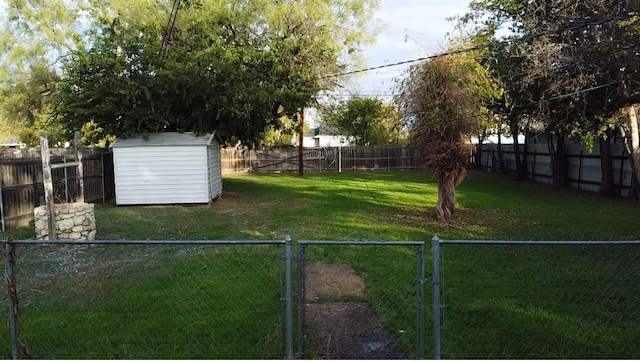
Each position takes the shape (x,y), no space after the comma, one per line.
(167,168)
(11,143)
(324,136)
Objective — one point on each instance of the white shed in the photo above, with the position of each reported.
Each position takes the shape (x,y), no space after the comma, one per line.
(167,168)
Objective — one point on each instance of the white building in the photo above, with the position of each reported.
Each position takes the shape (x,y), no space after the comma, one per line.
(167,168)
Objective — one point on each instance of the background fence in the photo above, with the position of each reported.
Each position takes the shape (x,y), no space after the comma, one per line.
(583,167)
(540,300)
(323,159)
(21,185)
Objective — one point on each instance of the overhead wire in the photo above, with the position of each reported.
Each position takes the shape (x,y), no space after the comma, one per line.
(511,40)
(169,29)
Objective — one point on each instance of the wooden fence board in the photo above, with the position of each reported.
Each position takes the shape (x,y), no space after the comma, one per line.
(21,184)
(323,159)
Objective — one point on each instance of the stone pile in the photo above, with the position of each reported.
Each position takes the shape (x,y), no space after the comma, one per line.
(73,221)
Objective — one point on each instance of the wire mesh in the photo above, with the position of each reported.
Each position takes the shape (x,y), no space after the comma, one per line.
(541,301)
(149,301)
(360,301)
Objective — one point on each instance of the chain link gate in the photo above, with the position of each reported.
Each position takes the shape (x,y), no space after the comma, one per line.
(351,306)
(212,299)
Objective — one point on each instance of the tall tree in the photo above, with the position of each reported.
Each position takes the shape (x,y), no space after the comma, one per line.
(34,35)
(219,67)
(583,56)
(368,121)
(444,99)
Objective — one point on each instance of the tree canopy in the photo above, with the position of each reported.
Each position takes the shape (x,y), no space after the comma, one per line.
(580,62)
(199,65)
(368,121)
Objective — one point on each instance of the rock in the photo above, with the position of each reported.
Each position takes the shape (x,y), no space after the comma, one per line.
(40,224)
(65,224)
(40,211)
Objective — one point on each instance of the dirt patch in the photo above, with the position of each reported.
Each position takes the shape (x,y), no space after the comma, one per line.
(334,280)
(343,330)
(227,199)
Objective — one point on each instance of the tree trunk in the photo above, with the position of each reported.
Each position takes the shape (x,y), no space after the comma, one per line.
(632,144)
(525,153)
(558,162)
(521,170)
(477,161)
(447,183)
(500,155)
(607,188)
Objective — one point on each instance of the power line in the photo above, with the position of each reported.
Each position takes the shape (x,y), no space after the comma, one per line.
(169,28)
(480,47)
(581,91)
(453,52)
(176,4)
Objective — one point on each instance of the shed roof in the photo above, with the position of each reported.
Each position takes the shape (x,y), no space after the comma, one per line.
(165,139)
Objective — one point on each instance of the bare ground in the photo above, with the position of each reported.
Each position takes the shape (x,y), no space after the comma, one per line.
(343,330)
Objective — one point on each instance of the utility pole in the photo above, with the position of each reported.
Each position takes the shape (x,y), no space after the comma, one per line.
(300,141)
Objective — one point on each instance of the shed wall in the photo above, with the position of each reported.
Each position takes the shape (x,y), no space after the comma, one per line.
(161,175)
(215,171)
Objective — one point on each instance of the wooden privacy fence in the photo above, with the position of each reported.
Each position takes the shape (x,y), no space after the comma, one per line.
(22,189)
(320,159)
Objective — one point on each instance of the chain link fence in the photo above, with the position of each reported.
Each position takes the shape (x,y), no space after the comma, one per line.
(214,299)
(353,304)
(235,299)
(537,299)
(147,299)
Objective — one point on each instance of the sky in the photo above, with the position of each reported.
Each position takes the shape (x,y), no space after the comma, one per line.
(413,29)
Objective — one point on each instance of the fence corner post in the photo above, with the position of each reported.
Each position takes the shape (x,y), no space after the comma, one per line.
(435,250)
(10,280)
(288,255)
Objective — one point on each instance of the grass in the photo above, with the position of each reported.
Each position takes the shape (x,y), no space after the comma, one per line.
(502,301)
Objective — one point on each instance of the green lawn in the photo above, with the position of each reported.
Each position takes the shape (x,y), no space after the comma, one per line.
(223,302)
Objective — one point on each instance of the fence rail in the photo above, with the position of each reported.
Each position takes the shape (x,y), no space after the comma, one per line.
(22,189)
(322,159)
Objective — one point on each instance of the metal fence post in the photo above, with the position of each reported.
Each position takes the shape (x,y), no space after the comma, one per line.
(10,279)
(420,302)
(288,256)
(435,249)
